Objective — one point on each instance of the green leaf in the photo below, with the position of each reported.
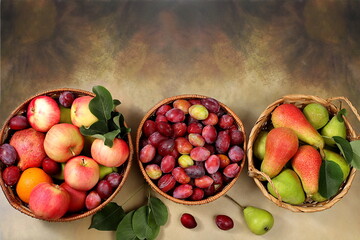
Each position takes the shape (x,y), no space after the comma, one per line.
(108,218)
(110,136)
(159,210)
(154,226)
(99,127)
(356,154)
(116,102)
(115,123)
(102,104)
(142,227)
(344,147)
(340,115)
(124,230)
(331,177)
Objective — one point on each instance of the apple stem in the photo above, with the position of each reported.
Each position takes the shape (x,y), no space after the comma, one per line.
(72,152)
(234,201)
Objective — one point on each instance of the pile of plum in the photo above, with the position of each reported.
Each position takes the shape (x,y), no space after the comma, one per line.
(191,148)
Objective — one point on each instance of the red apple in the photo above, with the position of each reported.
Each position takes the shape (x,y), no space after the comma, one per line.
(43,112)
(63,141)
(77,198)
(81,173)
(80,112)
(49,201)
(110,157)
(29,145)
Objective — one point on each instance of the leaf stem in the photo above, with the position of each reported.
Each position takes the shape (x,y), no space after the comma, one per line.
(234,201)
(138,190)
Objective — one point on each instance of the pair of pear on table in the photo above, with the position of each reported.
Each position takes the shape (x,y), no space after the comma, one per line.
(298,139)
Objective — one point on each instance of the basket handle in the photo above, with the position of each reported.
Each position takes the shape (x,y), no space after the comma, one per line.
(254,173)
(353,109)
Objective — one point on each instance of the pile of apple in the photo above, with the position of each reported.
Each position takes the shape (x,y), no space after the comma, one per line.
(83,170)
(191,148)
(292,148)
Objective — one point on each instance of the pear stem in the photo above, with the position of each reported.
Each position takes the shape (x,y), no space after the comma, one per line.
(234,201)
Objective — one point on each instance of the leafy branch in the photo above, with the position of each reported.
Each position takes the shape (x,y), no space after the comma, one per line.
(141,223)
(110,124)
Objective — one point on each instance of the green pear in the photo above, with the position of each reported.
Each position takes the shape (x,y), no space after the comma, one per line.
(289,187)
(318,198)
(65,115)
(258,220)
(60,175)
(106,170)
(259,145)
(335,127)
(337,158)
(316,114)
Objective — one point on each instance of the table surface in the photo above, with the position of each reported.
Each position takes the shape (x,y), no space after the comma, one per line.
(246,54)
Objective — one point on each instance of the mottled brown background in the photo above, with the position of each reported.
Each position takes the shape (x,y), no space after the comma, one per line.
(246,54)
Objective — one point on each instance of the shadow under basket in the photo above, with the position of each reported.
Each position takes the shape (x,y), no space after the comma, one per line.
(10,193)
(265,120)
(151,113)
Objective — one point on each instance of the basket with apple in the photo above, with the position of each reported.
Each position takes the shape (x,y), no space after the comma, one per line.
(190,148)
(303,153)
(65,154)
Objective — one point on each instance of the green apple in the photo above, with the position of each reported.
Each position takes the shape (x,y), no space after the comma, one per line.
(316,114)
(259,145)
(258,220)
(60,175)
(106,170)
(65,116)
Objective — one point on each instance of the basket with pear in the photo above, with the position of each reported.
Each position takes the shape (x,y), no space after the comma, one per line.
(303,152)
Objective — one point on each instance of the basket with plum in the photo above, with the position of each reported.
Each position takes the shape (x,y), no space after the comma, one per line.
(190,148)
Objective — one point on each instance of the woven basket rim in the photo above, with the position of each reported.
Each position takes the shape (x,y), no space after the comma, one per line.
(10,195)
(153,185)
(297,99)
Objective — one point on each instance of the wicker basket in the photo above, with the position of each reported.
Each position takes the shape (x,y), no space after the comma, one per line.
(9,192)
(263,122)
(150,113)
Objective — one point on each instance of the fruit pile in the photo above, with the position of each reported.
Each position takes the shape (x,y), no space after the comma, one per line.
(191,148)
(296,149)
(51,166)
